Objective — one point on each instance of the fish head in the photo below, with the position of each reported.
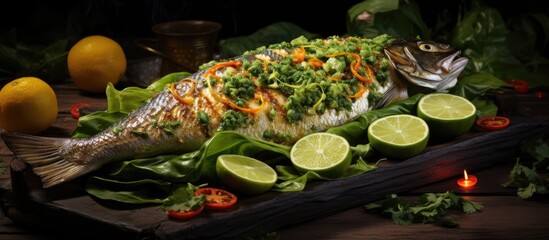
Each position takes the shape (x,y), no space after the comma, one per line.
(425,63)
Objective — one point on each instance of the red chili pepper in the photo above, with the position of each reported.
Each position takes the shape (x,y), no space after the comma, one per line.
(217,199)
(75,109)
(493,123)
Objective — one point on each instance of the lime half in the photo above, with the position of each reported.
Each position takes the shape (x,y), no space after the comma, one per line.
(327,154)
(399,136)
(447,115)
(245,174)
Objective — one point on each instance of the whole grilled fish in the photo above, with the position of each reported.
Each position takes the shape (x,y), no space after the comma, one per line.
(279,93)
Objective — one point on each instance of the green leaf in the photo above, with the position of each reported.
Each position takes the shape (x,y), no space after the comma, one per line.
(527,192)
(46,60)
(135,192)
(430,208)
(372,18)
(127,100)
(183,199)
(271,34)
(482,37)
(93,123)
(470,207)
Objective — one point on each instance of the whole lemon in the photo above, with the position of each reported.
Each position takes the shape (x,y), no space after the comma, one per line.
(27,105)
(94,61)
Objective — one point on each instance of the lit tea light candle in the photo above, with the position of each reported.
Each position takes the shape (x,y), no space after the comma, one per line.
(467,181)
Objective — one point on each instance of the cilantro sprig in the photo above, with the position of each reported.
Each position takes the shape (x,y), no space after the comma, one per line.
(430,208)
(530,173)
(183,199)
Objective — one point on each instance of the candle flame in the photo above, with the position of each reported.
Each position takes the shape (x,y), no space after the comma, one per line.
(465,174)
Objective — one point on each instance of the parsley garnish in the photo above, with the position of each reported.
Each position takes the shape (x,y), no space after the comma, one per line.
(528,173)
(430,208)
(183,199)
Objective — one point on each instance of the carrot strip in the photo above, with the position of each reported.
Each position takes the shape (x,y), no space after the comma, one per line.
(187,100)
(315,62)
(214,68)
(299,55)
(360,77)
(359,93)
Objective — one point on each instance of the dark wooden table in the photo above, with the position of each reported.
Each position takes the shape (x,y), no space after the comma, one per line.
(505,215)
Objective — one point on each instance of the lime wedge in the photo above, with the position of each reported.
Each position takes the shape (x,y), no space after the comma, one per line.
(245,174)
(327,154)
(399,136)
(447,115)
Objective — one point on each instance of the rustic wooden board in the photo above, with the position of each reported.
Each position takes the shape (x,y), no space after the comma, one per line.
(78,215)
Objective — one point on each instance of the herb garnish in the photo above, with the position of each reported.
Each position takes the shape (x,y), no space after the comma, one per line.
(430,208)
(529,175)
(183,199)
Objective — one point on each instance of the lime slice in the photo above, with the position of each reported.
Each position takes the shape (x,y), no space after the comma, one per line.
(245,174)
(399,136)
(447,115)
(327,154)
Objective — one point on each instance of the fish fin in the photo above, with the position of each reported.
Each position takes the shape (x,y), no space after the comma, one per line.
(45,155)
(392,94)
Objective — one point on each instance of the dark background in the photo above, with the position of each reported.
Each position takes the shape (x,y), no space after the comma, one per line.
(43,20)
(40,23)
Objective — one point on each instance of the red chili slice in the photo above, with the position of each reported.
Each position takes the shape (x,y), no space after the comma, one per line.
(493,123)
(185,214)
(217,199)
(75,109)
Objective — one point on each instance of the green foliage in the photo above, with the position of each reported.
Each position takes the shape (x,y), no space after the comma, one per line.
(46,61)
(530,173)
(430,208)
(274,33)
(183,199)
(371,18)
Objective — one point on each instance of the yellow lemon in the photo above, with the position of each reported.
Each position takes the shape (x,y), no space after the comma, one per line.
(94,61)
(27,105)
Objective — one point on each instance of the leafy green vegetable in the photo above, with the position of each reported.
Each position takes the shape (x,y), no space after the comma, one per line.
(46,61)
(274,33)
(183,199)
(481,35)
(149,179)
(430,208)
(530,173)
(371,18)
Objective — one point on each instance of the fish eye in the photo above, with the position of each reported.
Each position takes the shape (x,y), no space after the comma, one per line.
(427,47)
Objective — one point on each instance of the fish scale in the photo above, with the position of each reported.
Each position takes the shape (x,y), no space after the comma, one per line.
(300,87)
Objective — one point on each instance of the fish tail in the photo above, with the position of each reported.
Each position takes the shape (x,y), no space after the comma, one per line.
(45,155)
